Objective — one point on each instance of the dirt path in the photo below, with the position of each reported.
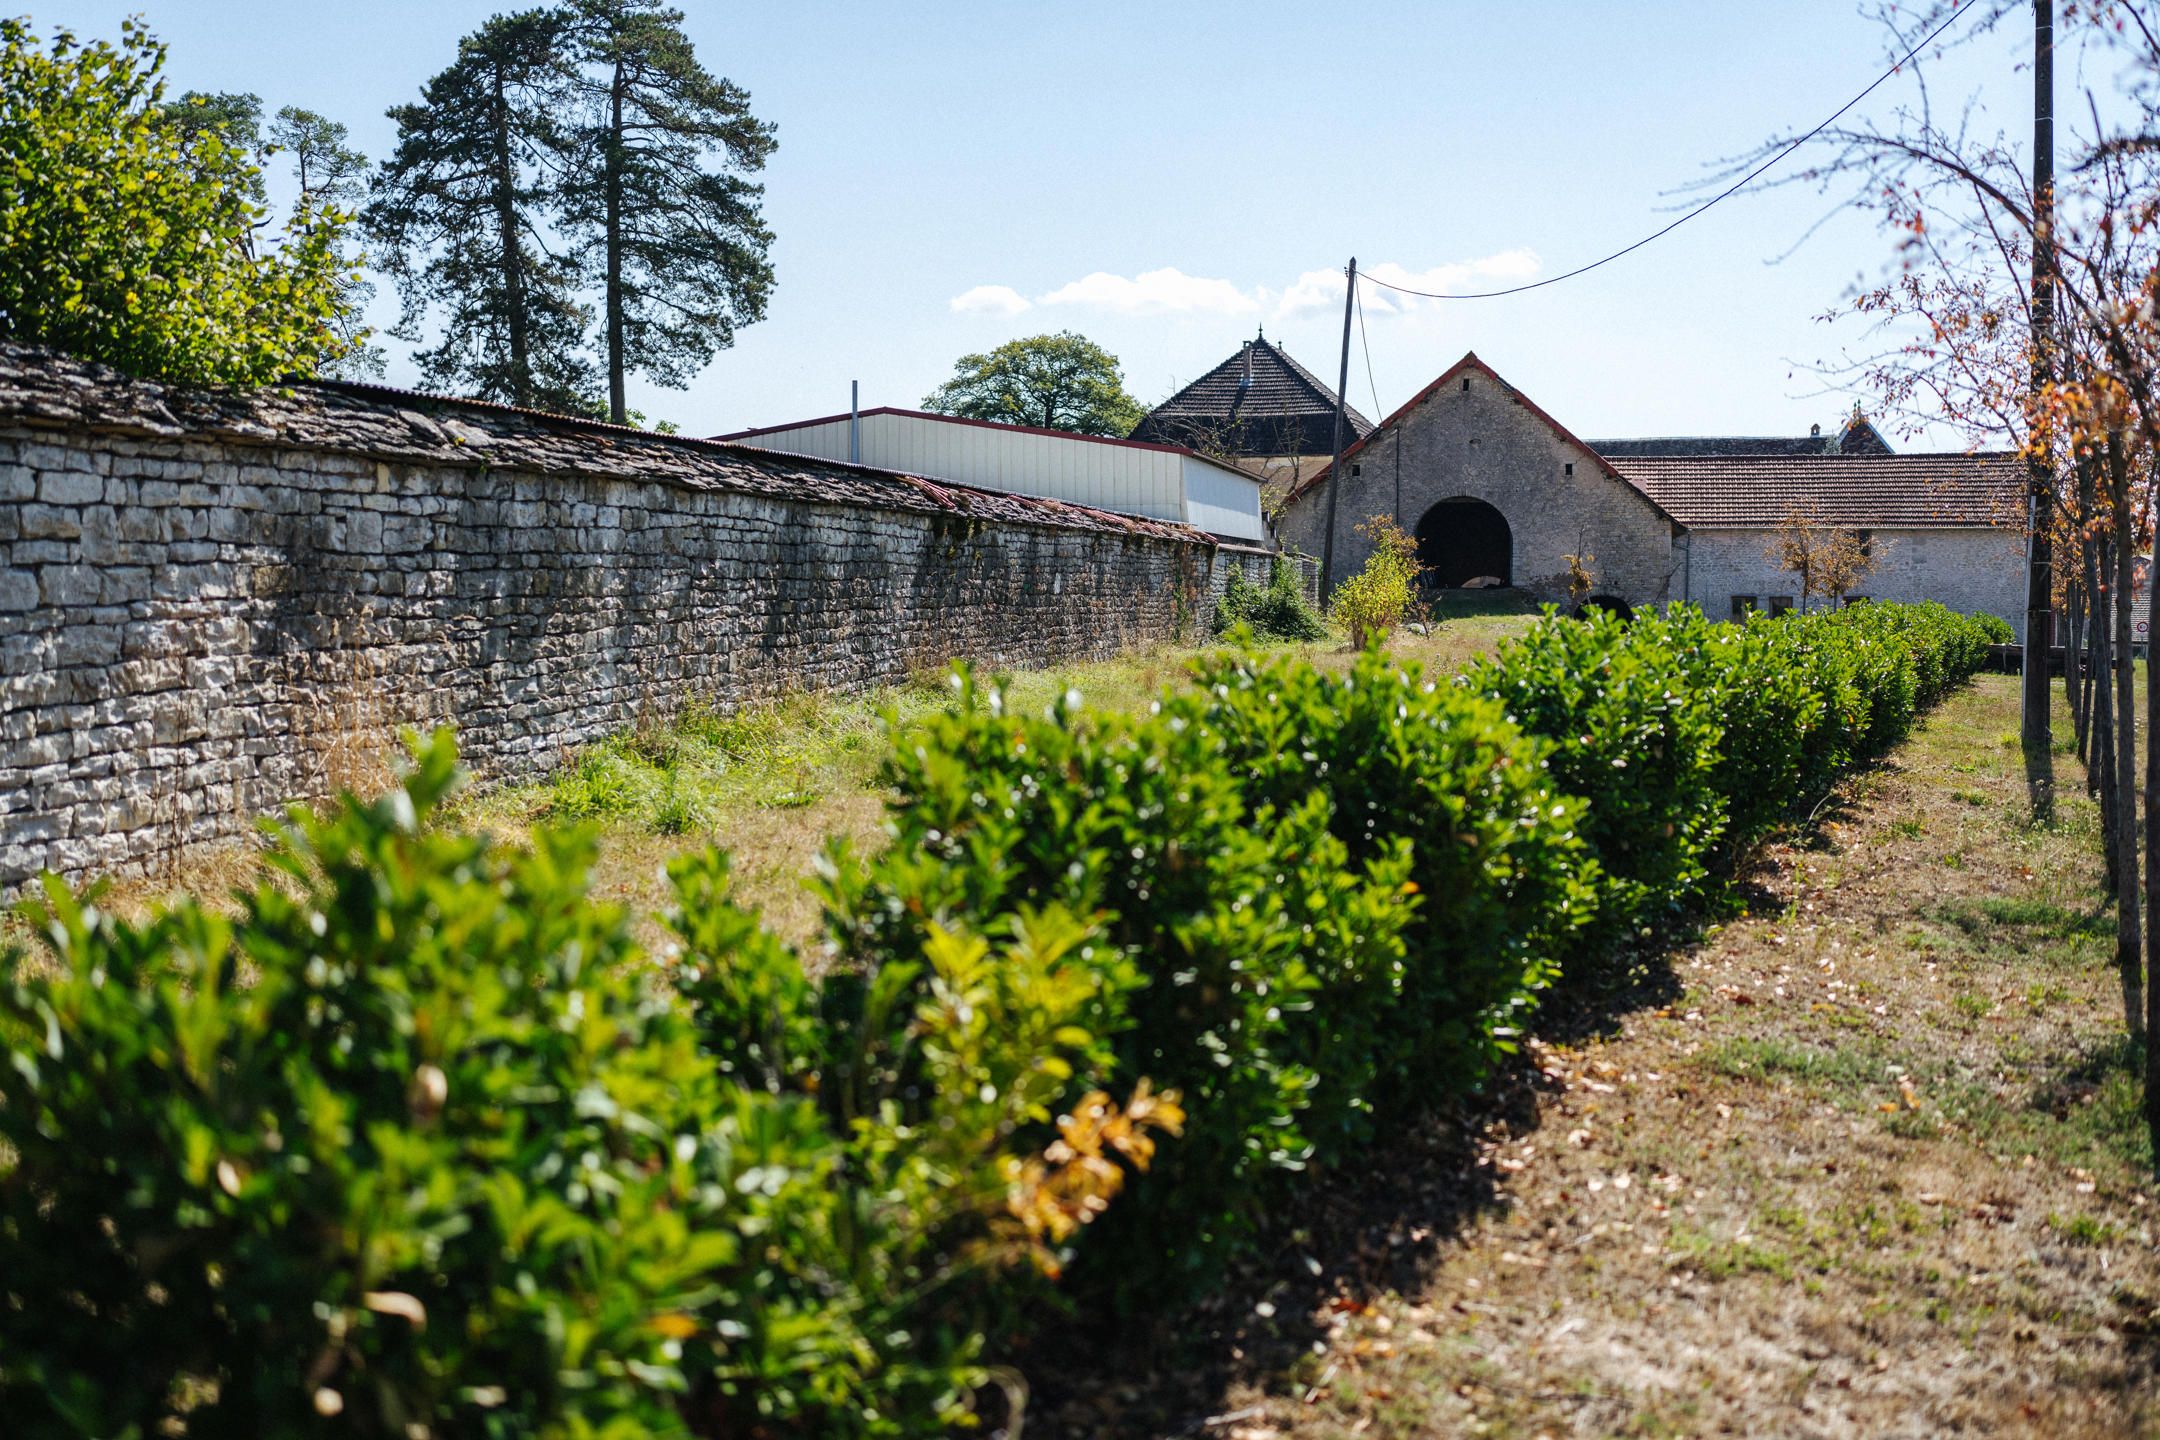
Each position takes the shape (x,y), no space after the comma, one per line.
(1872,1167)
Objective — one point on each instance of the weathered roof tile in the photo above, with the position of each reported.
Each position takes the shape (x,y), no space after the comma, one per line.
(1863,491)
(40,388)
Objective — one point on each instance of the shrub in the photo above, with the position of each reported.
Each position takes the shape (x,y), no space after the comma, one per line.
(417,1140)
(1504,880)
(1374,601)
(1275,612)
(1631,736)
(1231,930)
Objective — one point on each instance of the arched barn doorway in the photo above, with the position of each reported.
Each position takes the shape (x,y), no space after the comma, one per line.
(1463,542)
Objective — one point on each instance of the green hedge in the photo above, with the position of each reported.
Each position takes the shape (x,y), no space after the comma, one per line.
(420,1136)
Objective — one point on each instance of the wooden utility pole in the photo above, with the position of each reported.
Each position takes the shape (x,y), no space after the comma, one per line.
(1334,474)
(2033,726)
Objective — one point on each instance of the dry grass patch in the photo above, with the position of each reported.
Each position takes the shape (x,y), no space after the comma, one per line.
(1869,1163)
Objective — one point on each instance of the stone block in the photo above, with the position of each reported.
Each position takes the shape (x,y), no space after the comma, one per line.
(18,590)
(69,487)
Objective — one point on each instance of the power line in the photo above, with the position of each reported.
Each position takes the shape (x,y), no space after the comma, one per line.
(1370,383)
(1956,15)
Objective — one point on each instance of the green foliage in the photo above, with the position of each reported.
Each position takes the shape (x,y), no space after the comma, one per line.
(127,226)
(1228,929)
(457,207)
(1504,881)
(419,1138)
(1632,736)
(329,172)
(1276,611)
(1374,601)
(1059,382)
(674,243)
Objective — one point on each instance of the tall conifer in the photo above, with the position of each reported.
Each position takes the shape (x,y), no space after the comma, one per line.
(465,219)
(668,223)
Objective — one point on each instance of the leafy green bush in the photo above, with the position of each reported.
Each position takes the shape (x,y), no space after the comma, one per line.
(1231,929)
(1504,881)
(1275,612)
(419,1139)
(1374,601)
(1631,736)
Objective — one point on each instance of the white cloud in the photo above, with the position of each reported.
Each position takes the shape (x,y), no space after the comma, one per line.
(1323,289)
(1168,291)
(990,300)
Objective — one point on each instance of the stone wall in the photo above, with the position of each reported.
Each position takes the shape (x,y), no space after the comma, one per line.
(212,604)
(1970,569)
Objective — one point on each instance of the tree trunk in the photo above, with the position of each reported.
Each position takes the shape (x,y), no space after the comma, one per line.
(618,411)
(2087,581)
(2074,662)
(513,251)
(2152,870)
(2127,934)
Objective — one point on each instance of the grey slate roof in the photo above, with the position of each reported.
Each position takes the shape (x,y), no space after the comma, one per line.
(1857,438)
(40,388)
(1257,402)
(1711,492)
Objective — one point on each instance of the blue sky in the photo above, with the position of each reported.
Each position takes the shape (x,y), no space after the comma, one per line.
(1165,178)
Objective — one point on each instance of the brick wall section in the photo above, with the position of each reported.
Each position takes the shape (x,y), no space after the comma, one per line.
(213,604)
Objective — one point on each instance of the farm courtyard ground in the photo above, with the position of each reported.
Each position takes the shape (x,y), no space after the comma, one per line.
(1864,1160)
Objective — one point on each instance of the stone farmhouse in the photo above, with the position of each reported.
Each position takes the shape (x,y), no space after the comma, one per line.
(1499,492)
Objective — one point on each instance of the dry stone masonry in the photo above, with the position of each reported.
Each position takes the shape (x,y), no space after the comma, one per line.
(216,602)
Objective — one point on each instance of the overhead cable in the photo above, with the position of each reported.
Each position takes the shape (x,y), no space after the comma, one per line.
(1957,13)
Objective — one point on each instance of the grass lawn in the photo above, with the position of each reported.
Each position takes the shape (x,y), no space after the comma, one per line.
(1863,1160)
(770,785)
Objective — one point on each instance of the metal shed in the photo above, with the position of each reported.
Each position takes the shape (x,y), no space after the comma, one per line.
(1127,477)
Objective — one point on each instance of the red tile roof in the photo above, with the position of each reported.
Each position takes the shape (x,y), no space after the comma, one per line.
(1863,491)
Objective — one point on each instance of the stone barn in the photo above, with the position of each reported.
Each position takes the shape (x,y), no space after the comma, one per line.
(1497,494)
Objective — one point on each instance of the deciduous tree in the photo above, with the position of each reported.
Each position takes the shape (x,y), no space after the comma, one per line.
(1060,382)
(128,238)
(1828,560)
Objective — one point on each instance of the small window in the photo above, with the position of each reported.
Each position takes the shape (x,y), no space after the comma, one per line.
(1781,604)
(1357,469)
(1568,469)
(1867,543)
(1742,606)
(1856,599)
(1466,384)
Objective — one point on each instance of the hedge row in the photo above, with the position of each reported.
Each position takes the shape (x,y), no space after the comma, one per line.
(420,1138)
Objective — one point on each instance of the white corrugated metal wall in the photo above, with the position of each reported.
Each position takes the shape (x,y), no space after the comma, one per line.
(1159,484)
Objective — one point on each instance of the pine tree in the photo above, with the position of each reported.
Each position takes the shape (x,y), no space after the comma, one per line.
(464,214)
(333,174)
(669,227)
